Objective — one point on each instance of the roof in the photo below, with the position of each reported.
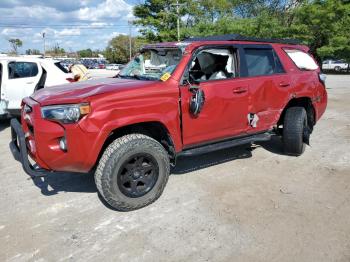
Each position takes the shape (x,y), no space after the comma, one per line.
(27,59)
(237,37)
(221,38)
(165,45)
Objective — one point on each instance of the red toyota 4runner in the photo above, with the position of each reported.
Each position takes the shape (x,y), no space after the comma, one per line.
(173,99)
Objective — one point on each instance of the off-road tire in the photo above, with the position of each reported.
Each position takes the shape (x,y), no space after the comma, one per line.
(295,122)
(114,157)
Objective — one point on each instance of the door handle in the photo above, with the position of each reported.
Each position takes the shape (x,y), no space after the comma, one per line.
(29,82)
(284,84)
(240,90)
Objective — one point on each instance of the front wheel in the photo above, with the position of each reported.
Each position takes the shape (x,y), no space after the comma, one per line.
(295,130)
(132,172)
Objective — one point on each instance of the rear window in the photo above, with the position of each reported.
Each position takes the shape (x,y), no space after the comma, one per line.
(22,69)
(301,59)
(61,67)
(262,62)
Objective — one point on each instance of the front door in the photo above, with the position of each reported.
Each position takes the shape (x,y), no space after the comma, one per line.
(22,78)
(224,111)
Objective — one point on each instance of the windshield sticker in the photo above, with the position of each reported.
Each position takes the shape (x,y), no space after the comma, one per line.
(165,77)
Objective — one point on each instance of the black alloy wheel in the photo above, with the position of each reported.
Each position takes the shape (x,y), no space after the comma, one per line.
(138,175)
(132,172)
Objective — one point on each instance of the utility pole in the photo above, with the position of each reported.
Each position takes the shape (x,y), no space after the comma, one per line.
(178,5)
(44,43)
(130,27)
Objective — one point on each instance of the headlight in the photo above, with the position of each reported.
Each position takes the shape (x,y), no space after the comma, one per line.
(65,113)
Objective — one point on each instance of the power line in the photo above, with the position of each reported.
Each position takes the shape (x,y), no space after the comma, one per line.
(19,26)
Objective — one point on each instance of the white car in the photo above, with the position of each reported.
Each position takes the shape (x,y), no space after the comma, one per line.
(336,65)
(22,76)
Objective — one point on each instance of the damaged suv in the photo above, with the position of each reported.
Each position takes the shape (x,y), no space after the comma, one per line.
(173,99)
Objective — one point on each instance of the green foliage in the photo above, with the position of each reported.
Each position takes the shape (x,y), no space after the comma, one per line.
(15,43)
(324,25)
(85,53)
(118,48)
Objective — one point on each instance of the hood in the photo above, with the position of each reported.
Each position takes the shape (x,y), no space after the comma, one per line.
(80,91)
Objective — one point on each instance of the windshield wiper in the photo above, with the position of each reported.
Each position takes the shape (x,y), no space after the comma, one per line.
(138,77)
(128,77)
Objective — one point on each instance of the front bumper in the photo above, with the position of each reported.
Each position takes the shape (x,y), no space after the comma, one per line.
(19,151)
(38,139)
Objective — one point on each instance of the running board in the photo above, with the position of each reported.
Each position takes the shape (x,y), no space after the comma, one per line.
(226,144)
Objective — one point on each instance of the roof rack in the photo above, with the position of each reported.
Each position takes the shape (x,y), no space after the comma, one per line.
(238,37)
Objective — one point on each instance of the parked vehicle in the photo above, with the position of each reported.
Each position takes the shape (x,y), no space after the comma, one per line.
(174,99)
(336,65)
(21,76)
(112,67)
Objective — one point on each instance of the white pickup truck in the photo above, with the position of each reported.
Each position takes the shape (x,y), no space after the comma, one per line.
(336,65)
(21,76)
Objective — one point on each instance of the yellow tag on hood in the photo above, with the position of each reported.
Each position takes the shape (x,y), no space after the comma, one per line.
(165,77)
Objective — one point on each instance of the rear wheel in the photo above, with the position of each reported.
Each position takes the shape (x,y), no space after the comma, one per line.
(132,172)
(295,128)
(337,68)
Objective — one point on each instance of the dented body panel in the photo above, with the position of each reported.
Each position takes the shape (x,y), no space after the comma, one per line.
(233,107)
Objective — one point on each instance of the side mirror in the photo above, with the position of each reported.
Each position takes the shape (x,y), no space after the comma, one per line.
(197,100)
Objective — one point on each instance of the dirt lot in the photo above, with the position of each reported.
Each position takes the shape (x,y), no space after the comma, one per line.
(243,204)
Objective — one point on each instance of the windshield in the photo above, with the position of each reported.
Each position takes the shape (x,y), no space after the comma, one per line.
(152,64)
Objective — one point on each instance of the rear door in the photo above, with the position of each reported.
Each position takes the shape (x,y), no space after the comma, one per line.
(22,77)
(269,86)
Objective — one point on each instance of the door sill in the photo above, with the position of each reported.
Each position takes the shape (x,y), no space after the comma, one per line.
(265,136)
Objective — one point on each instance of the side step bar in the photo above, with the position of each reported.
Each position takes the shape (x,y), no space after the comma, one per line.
(226,144)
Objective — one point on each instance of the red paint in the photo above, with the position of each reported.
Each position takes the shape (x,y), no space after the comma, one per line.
(116,103)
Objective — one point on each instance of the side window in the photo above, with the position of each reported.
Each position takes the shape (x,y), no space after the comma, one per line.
(301,59)
(22,69)
(213,64)
(262,62)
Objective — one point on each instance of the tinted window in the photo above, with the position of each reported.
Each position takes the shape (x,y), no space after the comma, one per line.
(262,62)
(22,69)
(61,67)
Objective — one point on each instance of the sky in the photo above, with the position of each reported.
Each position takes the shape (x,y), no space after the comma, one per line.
(72,24)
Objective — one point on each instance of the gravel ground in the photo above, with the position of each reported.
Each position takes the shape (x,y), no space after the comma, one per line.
(242,204)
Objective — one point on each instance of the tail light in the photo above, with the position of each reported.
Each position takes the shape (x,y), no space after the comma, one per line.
(71,80)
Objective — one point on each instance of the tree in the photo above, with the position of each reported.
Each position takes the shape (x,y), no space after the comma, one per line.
(325,27)
(15,44)
(158,19)
(85,53)
(118,48)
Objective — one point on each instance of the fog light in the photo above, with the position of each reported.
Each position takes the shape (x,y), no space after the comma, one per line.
(63,144)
